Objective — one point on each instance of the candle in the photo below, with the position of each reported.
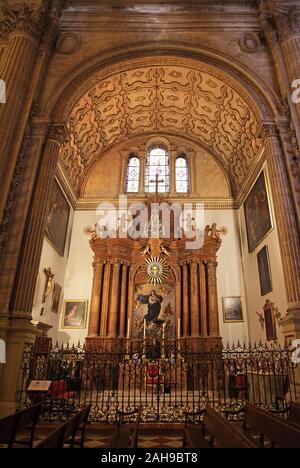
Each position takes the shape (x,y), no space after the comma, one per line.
(128,329)
(178,328)
(144,329)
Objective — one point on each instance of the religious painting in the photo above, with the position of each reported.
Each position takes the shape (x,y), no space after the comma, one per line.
(264,271)
(56,297)
(257,213)
(154,311)
(75,314)
(57,220)
(232,309)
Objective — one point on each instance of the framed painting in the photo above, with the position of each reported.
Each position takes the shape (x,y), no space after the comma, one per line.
(58,220)
(74,314)
(232,309)
(264,271)
(258,216)
(154,308)
(56,297)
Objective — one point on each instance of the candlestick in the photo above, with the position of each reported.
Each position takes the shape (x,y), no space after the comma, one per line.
(128,329)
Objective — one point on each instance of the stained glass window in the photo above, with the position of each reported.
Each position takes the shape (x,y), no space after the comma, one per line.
(182,174)
(157,163)
(133,174)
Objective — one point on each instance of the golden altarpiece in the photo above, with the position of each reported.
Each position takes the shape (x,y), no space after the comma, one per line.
(148,289)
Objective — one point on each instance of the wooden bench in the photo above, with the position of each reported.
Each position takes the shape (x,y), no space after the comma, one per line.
(81,427)
(294,414)
(216,432)
(21,421)
(65,434)
(126,435)
(55,439)
(278,431)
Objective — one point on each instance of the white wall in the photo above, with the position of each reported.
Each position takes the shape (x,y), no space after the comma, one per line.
(229,273)
(51,259)
(254,300)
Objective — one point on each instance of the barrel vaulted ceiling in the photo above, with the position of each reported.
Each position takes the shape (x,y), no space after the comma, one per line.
(163,98)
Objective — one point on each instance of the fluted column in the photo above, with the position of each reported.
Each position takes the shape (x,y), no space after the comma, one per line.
(288,26)
(123,305)
(212,299)
(195,325)
(28,266)
(203,302)
(185,293)
(285,215)
(95,311)
(113,312)
(23,29)
(130,295)
(105,300)
(280,40)
(178,308)
(17,206)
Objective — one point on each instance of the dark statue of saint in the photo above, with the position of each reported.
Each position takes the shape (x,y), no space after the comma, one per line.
(154,306)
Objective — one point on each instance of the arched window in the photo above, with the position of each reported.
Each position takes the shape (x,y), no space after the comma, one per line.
(157,168)
(182,174)
(133,174)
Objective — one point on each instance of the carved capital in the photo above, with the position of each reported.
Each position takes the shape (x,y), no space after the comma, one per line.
(30,21)
(58,133)
(288,22)
(268,130)
(267,24)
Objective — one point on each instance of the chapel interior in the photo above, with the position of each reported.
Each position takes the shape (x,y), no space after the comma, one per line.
(149,222)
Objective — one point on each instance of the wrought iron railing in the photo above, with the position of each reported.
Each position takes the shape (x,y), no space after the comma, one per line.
(167,380)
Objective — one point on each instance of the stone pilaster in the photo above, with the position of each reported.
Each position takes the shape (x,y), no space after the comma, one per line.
(289,123)
(24,287)
(16,209)
(113,312)
(95,316)
(213,299)
(23,29)
(285,215)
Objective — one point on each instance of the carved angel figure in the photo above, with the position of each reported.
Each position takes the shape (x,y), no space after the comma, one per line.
(216,233)
(145,251)
(91,231)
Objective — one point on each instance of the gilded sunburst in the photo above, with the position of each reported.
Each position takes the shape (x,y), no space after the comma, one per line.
(155,269)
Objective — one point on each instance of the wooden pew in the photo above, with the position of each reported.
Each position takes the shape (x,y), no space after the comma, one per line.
(83,419)
(27,421)
(71,430)
(21,421)
(294,414)
(221,433)
(55,439)
(279,431)
(8,429)
(126,435)
(65,434)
